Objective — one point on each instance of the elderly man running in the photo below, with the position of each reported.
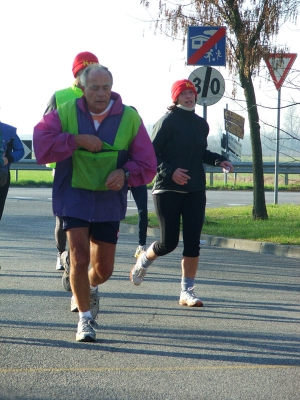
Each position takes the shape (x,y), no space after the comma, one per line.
(100,146)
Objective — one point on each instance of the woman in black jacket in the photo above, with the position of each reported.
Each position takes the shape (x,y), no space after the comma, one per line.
(180,143)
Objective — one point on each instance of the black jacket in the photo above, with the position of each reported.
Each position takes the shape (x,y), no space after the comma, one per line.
(180,141)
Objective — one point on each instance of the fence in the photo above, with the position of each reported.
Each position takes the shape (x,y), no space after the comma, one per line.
(285,169)
(25,165)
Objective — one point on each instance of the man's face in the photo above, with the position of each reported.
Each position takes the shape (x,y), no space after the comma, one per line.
(97,91)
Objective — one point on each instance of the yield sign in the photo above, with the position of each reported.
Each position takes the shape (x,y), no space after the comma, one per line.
(279,66)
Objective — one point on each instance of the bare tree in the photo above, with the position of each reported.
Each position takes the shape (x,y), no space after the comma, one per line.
(252,27)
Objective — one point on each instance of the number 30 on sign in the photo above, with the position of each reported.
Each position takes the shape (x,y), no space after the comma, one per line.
(210,85)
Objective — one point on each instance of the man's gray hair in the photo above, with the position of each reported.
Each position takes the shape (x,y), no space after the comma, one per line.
(93,67)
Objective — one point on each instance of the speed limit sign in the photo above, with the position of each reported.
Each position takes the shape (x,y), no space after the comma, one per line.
(210,85)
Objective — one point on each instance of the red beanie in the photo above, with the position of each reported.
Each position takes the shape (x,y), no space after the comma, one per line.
(180,86)
(83,60)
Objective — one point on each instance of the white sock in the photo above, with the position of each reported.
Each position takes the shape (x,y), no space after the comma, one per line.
(145,262)
(85,314)
(93,288)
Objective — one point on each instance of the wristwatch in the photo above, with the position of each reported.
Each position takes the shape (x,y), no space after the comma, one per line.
(127,173)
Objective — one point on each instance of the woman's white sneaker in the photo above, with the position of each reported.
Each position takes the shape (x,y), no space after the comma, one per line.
(189,298)
(137,272)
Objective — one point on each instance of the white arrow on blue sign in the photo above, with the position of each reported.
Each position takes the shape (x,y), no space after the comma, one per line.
(206,45)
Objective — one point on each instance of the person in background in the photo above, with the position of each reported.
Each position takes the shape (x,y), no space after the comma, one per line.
(140,196)
(100,146)
(81,61)
(11,150)
(180,143)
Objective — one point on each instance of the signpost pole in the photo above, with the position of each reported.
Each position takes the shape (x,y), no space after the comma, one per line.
(205,117)
(277,150)
(205,111)
(224,173)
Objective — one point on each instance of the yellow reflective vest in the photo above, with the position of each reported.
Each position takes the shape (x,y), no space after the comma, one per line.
(61,97)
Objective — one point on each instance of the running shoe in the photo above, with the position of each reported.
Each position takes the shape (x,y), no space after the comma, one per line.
(86,330)
(189,298)
(137,272)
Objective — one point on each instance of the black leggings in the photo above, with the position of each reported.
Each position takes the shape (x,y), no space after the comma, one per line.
(173,208)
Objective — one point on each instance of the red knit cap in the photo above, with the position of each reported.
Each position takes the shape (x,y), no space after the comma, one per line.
(180,86)
(83,60)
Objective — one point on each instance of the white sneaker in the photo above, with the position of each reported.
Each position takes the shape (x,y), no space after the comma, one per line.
(86,330)
(59,266)
(189,298)
(94,303)
(137,272)
(139,250)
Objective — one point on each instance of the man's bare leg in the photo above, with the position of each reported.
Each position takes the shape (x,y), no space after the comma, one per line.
(79,245)
(102,261)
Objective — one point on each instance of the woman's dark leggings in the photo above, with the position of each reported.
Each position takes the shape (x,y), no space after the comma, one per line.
(172,208)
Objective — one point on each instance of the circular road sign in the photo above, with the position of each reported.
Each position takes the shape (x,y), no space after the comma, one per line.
(210,85)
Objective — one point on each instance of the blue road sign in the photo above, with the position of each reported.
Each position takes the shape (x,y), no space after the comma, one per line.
(206,45)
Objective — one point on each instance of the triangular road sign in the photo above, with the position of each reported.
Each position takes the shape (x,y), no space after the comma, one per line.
(279,66)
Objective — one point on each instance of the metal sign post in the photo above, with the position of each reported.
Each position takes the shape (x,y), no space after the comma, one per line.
(277,150)
(205,112)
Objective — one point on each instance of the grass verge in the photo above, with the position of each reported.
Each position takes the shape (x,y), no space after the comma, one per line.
(282,226)
(23,178)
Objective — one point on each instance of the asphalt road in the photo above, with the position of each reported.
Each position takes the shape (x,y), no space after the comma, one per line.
(243,344)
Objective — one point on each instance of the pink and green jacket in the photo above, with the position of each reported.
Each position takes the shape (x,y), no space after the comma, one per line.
(124,135)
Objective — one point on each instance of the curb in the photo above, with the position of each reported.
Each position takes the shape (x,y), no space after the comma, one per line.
(235,244)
